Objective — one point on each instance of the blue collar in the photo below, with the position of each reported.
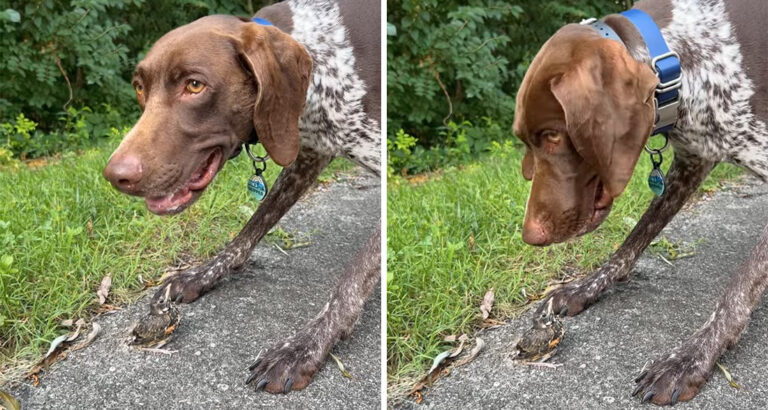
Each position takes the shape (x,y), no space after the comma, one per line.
(259,20)
(254,139)
(664,62)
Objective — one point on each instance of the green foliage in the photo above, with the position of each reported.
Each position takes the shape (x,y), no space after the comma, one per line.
(55,55)
(463,60)
(75,129)
(450,44)
(6,156)
(460,142)
(54,44)
(17,134)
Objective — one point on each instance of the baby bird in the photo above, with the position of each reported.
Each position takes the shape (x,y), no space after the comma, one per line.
(155,328)
(538,344)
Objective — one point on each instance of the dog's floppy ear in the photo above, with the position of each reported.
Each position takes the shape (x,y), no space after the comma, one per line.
(607,98)
(282,68)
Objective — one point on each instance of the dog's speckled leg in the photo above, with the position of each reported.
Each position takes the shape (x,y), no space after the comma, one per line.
(292,183)
(682,372)
(685,175)
(291,364)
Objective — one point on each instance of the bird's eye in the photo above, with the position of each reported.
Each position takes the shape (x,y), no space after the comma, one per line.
(194,86)
(139,89)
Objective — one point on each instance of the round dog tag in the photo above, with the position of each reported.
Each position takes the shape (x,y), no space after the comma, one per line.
(656,181)
(257,187)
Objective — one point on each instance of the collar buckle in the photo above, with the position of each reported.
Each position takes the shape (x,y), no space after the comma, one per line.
(676,81)
(666,115)
(667,98)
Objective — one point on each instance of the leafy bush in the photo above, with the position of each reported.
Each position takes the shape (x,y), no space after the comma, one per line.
(55,55)
(460,61)
(75,129)
(460,142)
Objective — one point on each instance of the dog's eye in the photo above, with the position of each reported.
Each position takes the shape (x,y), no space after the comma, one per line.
(552,137)
(194,86)
(139,89)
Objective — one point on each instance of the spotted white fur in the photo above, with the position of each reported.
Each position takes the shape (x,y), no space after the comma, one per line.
(716,120)
(334,122)
(716,124)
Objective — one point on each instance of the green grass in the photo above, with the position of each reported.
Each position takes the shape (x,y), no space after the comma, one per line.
(63,228)
(436,278)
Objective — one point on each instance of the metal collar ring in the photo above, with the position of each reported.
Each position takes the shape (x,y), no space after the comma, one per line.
(654,150)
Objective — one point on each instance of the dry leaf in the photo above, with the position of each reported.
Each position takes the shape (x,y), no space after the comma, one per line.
(157,350)
(42,364)
(440,362)
(439,359)
(74,335)
(341,366)
(463,339)
(151,283)
(728,376)
(88,340)
(67,323)
(487,304)
(450,338)
(418,179)
(418,386)
(479,345)
(471,243)
(103,291)
(107,308)
(8,402)
(418,397)
(35,380)
(55,344)
(491,324)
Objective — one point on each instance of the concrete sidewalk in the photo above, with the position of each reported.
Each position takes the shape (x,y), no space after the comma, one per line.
(222,332)
(606,346)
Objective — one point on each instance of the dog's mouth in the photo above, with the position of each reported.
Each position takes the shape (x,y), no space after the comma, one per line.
(602,207)
(199,180)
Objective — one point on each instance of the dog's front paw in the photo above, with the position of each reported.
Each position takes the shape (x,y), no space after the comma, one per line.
(289,365)
(187,286)
(572,298)
(678,377)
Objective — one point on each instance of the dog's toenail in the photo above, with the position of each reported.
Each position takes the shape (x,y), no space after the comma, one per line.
(648,396)
(675,396)
(637,390)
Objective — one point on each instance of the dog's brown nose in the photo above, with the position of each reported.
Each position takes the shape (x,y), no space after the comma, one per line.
(534,233)
(124,172)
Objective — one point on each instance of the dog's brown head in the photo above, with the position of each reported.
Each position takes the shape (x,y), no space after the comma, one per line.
(584,111)
(203,89)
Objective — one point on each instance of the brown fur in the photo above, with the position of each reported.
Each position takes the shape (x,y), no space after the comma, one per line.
(584,110)
(361,17)
(743,16)
(282,69)
(255,77)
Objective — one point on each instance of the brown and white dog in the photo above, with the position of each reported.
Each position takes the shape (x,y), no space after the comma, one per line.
(309,87)
(585,110)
